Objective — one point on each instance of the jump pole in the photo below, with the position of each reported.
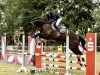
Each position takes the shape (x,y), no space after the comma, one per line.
(31,44)
(67,53)
(31,48)
(23,68)
(3,47)
(38,61)
(60,49)
(91,54)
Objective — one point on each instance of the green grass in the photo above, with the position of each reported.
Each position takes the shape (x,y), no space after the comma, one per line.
(10,69)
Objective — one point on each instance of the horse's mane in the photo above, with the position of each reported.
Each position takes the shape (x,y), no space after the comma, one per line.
(43,21)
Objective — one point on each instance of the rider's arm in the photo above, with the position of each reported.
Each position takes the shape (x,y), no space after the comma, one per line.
(49,19)
(53,16)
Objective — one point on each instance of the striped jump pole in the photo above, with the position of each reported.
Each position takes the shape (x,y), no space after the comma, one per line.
(38,59)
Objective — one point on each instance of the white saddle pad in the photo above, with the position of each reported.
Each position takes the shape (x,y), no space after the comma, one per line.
(62,29)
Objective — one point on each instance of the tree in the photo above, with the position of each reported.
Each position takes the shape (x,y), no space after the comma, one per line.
(19,13)
(1,18)
(77,14)
(96,15)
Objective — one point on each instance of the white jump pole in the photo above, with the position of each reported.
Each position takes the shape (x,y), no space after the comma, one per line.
(31,44)
(31,47)
(23,68)
(67,53)
(3,45)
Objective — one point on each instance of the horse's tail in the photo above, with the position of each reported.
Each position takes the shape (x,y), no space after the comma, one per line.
(82,41)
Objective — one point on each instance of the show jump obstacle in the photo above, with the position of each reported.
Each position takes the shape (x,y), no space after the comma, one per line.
(90,55)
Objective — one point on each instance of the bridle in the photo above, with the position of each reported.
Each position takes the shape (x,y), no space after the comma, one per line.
(34,26)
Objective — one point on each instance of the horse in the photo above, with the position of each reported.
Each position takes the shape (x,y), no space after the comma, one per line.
(47,32)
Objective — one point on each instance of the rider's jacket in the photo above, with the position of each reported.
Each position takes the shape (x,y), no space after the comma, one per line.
(52,17)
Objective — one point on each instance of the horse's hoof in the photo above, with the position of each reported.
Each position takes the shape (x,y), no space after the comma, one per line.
(32,71)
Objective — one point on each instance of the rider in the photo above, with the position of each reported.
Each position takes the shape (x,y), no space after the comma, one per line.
(53,17)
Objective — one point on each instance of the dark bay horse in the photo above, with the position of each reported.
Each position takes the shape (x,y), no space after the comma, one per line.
(47,32)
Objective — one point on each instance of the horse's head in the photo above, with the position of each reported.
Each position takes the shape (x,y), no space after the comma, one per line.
(36,24)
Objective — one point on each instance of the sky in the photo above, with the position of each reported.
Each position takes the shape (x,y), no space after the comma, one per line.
(96,0)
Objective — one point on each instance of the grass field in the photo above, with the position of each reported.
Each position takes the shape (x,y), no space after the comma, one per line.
(10,69)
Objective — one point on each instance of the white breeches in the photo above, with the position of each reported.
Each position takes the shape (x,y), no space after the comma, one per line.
(58,21)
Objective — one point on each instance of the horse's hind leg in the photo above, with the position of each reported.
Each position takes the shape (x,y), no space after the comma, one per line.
(79,58)
(76,51)
(84,61)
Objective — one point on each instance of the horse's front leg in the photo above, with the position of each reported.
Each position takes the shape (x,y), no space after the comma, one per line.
(35,35)
(38,34)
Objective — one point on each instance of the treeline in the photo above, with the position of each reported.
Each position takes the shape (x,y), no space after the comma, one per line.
(78,15)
